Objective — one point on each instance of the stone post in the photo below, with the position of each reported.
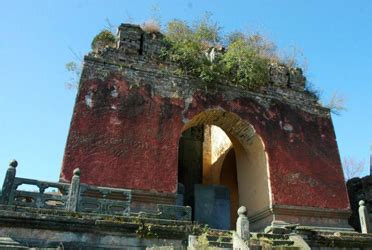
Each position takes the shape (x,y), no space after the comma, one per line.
(74,192)
(8,182)
(193,242)
(242,224)
(364,218)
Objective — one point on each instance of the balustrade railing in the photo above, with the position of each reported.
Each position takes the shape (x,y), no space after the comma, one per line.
(74,196)
(38,198)
(78,197)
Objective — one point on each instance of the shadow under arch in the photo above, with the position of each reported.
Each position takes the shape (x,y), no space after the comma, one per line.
(251,159)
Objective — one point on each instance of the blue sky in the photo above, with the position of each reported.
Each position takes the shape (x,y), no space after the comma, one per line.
(36,108)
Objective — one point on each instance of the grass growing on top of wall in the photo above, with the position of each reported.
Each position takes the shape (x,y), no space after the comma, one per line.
(202,51)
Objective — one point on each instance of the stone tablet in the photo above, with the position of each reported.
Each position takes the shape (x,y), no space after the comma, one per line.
(212,206)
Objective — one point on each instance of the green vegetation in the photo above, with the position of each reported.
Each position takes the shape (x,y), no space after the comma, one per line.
(202,51)
(104,39)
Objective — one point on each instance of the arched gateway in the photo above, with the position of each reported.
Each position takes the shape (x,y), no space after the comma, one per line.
(131,114)
(235,172)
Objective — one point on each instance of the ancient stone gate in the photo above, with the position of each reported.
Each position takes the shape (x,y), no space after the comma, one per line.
(131,110)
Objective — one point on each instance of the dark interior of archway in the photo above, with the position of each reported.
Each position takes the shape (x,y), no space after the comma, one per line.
(190,170)
(229,179)
(190,163)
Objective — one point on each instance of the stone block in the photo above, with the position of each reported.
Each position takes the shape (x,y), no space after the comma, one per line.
(296,79)
(212,206)
(279,75)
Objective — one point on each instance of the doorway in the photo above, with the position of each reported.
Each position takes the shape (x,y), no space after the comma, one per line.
(222,165)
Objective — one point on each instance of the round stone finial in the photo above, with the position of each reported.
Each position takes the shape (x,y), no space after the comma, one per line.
(361,203)
(242,211)
(76,171)
(13,164)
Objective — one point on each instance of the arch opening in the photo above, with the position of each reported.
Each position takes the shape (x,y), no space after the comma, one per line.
(222,165)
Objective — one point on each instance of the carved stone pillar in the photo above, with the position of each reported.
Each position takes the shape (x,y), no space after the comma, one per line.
(242,224)
(8,182)
(74,193)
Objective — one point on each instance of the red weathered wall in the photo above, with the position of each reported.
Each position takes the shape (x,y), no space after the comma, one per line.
(131,141)
(127,141)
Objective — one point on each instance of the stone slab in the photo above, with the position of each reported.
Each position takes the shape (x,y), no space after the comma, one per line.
(212,206)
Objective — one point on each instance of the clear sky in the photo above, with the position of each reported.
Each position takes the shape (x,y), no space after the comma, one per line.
(35,36)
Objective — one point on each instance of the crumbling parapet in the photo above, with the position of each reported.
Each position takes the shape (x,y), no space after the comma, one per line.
(140,50)
(134,41)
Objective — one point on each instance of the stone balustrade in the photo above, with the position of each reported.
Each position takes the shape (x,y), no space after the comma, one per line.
(79,197)
(73,197)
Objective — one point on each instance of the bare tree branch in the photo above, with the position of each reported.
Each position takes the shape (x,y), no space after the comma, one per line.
(337,104)
(352,168)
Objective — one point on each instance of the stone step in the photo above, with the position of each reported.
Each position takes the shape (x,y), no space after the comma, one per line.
(220,239)
(273,236)
(225,239)
(286,248)
(276,241)
(217,244)
(219,232)
(260,247)
(9,243)
(282,243)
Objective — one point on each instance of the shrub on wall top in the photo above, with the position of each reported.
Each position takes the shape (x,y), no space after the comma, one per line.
(104,39)
(201,51)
